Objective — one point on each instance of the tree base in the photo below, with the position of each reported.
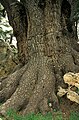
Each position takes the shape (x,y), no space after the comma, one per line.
(31,88)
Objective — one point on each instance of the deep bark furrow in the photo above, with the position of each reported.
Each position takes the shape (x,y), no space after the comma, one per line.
(44,88)
(52,54)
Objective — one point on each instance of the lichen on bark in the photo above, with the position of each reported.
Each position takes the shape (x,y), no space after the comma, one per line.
(49,56)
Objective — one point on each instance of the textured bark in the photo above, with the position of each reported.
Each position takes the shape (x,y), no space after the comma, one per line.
(48,52)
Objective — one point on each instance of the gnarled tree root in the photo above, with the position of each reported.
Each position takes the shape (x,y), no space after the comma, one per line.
(36,85)
(32,88)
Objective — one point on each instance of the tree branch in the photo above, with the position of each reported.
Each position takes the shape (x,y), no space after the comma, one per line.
(18,20)
(3,2)
(6,3)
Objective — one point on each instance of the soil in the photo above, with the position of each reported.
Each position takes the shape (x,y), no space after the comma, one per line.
(67,106)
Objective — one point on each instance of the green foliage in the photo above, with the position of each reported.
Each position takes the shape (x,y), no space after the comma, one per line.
(57,115)
(39,116)
(74,116)
(76,11)
(5,34)
(1,12)
(5,29)
(12,114)
(58,118)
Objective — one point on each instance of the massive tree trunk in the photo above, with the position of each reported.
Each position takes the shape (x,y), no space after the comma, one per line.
(46,51)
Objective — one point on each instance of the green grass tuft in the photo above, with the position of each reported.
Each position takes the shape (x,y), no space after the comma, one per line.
(74,116)
(12,114)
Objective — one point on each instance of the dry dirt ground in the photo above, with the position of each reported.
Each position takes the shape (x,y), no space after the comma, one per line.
(67,106)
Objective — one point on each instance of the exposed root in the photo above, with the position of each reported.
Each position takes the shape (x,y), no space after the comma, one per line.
(36,84)
(36,89)
(44,89)
(24,90)
(9,85)
(33,87)
(68,63)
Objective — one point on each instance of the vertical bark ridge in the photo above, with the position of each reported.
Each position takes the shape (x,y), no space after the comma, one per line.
(20,26)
